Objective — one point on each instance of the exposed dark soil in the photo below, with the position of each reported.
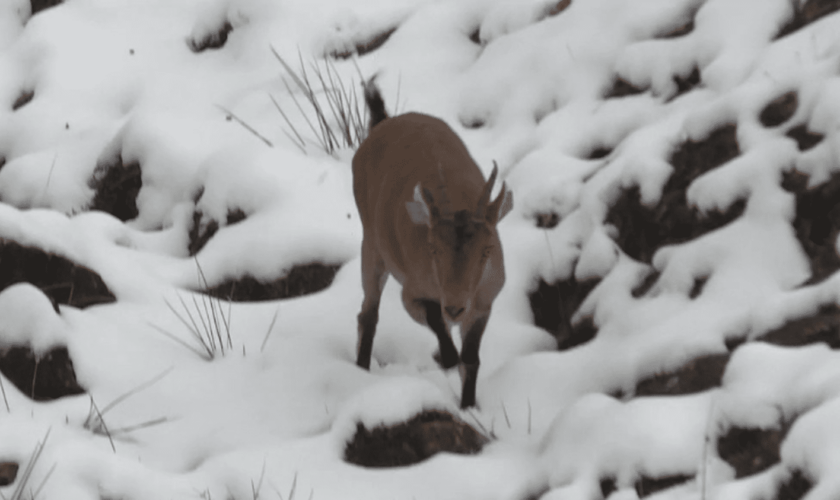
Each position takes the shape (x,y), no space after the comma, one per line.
(653,276)
(24,98)
(808,13)
(554,305)
(607,485)
(8,473)
(582,332)
(475,35)
(751,450)
(794,487)
(301,280)
(213,40)
(367,46)
(824,326)
(412,441)
(697,287)
(643,229)
(735,341)
(39,5)
(599,152)
(649,485)
(547,220)
(42,379)
(694,158)
(199,236)
(622,88)
(644,287)
(558,7)
(63,281)
(779,110)
(817,221)
(682,30)
(698,375)
(805,139)
(115,187)
(686,83)
(473,122)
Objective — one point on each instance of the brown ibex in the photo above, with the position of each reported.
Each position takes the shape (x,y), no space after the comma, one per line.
(428,221)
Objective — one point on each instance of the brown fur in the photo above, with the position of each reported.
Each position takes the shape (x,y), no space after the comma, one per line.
(450,266)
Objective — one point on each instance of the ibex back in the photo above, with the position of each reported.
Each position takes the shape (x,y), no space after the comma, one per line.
(428,221)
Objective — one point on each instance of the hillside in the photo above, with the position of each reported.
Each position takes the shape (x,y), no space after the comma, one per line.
(180,272)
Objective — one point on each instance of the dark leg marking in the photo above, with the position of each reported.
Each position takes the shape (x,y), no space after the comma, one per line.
(434,318)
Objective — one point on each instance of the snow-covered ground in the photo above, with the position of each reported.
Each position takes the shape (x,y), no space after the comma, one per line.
(118,78)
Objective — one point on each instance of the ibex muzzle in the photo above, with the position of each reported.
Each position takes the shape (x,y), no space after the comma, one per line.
(428,220)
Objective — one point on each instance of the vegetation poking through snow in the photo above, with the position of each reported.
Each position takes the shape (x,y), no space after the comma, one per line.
(24,490)
(340,116)
(95,421)
(211,329)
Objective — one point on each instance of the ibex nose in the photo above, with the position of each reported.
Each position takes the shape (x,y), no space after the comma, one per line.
(454,311)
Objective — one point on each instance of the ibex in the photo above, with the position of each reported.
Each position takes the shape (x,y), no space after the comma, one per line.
(427,220)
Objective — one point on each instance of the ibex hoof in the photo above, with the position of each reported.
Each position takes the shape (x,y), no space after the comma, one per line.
(445,362)
(467,403)
(363,362)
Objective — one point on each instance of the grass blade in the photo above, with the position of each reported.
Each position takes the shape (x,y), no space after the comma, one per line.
(5,400)
(300,143)
(103,424)
(270,329)
(138,388)
(198,353)
(23,480)
(341,120)
(149,423)
(247,127)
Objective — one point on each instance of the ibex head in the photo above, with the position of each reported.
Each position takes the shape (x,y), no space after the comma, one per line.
(461,243)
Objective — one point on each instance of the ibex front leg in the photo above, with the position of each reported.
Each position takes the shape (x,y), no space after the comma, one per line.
(427,312)
(374,277)
(469,358)
(434,318)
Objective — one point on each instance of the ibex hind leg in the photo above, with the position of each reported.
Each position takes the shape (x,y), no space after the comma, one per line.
(374,277)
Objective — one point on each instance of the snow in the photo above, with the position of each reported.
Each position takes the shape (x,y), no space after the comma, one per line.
(116,79)
(31,319)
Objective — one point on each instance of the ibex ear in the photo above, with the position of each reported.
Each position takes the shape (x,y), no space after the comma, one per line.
(418,210)
(500,206)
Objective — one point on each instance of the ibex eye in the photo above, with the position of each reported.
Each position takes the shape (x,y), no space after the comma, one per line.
(487,251)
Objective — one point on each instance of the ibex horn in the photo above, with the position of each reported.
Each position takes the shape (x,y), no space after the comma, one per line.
(485,195)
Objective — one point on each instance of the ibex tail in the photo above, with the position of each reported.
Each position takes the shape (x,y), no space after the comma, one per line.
(374,102)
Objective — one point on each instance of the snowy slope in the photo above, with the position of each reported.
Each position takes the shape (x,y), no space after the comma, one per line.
(578,105)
